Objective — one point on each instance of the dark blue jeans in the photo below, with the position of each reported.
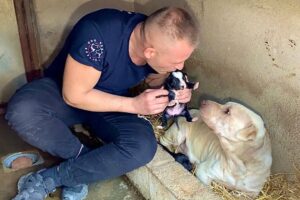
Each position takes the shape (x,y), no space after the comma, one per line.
(38,113)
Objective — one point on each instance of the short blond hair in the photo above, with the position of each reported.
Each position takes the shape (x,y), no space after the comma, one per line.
(174,22)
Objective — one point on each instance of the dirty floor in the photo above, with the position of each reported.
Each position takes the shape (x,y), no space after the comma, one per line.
(115,189)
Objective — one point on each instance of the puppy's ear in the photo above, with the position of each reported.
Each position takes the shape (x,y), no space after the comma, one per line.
(186,79)
(248,133)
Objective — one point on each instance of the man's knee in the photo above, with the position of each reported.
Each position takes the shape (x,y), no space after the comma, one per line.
(149,148)
(26,104)
(20,113)
(144,149)
(25,115)
(34,125)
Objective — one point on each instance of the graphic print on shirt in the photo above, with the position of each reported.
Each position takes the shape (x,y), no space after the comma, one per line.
(94,50)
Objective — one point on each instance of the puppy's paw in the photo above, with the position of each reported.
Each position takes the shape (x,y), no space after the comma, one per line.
(196,86)
(194,119)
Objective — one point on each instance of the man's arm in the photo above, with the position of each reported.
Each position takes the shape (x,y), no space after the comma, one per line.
(78,91)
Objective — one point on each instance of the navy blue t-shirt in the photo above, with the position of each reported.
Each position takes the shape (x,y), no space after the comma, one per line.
(101,40)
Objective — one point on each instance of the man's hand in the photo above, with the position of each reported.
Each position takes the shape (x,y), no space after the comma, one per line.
(151,101)
(185,95)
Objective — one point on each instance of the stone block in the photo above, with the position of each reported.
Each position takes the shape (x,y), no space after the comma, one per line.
(140,179)
(163,178)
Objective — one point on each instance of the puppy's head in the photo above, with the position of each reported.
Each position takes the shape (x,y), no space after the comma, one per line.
(232,121)
(176,80)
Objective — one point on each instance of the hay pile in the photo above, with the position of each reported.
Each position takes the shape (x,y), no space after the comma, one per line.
(277,187)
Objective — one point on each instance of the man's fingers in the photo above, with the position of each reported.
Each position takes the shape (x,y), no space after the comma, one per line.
(162,100)
(157,92)
(157,110)
(183,94)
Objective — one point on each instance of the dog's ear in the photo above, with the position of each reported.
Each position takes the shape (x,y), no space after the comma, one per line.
(185,77)
(248,133)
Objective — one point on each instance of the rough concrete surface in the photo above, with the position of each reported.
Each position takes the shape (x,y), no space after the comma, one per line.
(163,178)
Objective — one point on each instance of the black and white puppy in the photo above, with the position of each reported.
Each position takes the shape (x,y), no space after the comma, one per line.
(177,80)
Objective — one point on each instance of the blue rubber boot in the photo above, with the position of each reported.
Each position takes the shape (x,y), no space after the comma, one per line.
(33,186)
(78,192)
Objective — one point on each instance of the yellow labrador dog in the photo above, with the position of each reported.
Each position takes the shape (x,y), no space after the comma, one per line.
(228,144)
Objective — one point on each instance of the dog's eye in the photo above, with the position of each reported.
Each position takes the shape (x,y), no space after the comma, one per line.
(227,111)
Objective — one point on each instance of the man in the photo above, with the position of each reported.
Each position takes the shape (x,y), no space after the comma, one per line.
(106,53)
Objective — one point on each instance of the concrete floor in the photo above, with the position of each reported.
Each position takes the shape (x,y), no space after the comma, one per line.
(115,189)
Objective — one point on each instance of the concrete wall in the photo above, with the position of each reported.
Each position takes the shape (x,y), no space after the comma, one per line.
(55,19)
(249,50)
(11,62)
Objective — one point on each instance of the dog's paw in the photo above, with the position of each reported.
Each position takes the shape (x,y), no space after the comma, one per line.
(196,86)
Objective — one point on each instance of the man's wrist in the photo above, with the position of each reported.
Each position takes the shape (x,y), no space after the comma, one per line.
(128,105)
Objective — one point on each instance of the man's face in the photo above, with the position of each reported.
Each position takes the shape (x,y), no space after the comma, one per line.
(171,56)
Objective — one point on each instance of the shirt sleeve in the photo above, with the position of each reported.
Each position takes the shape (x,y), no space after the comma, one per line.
(87,45)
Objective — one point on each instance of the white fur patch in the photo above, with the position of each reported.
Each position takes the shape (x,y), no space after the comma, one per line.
(179,76)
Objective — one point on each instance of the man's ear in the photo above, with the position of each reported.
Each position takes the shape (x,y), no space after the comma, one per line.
(248,133)
(149,52)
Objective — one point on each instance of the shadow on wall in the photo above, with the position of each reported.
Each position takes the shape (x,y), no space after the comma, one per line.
(82,10)
(16,83)
(147,8)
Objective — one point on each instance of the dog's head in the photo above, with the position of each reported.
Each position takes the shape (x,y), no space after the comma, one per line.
(232,121)
(243,137)
(176,81)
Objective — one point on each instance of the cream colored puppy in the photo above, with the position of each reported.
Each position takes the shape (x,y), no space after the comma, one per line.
(229,145)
